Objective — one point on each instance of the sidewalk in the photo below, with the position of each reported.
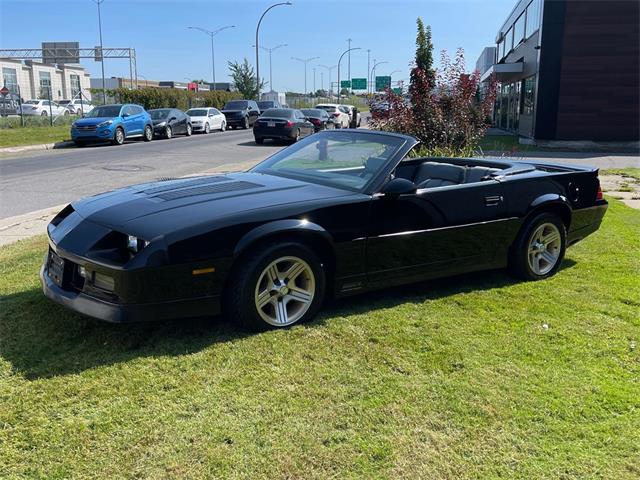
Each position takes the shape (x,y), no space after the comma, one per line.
(40,146)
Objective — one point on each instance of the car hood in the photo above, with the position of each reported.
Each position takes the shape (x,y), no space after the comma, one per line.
(92,121)
(168,208)
(159,120)
(204,117)
(231,112)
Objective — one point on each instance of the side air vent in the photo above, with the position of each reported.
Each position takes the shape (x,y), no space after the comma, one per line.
(183,183)
(207,189)
(64,213)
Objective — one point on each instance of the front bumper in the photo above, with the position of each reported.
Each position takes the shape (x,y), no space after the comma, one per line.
(100,134)
(235,121)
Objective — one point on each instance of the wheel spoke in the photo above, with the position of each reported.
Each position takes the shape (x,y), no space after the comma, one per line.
(264,298)
(272,273)
(548,257)
(281,311)
(300,295)
(295,270)
(551,237)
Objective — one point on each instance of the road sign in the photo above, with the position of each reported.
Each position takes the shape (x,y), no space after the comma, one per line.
(345,84)
(359,83)
(4,91)
(397,90)
(382,83)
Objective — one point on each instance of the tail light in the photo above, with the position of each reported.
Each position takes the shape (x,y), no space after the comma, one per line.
(335,114)
(289,123)
(599,195)
(315,121)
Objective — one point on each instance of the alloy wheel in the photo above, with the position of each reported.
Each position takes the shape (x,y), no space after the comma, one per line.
(545,246)
(285,291)
(119,136)
(168,132)
(223,126)
(206,128)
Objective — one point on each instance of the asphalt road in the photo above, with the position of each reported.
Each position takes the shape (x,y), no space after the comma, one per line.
(35,181)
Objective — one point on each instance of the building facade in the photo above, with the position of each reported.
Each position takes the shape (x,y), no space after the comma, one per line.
(568,70)
(33,80)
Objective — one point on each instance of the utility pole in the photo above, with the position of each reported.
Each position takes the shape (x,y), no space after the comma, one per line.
(322,81)
(339,60)
(212,33)
(329,69)
(368,68)
(314,80)
(104,90)
(349,64)
(305,61)
(258,44)
(271,50)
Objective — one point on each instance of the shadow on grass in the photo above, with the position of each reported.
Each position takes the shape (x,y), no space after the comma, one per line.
(41,339)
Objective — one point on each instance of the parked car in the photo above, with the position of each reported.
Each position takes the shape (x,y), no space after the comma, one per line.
(267,104)
(76,106)
(350,109)
(339,117)
(113,123)
(168,122)
(282,124)
(9,105)
(319,118)
(241,113)
(379,109)
(205,119)
(42,108)
(339,213)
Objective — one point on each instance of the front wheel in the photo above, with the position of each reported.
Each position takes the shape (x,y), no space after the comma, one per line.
(148,133)
(118,137)
(276,286)
(539,248)
(44,113)
(259,141)
(223,126)
(207,128)
(168,133)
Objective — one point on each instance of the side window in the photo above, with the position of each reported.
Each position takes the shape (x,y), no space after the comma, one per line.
(215,111)
(126,110)
(136,110)
(254,105)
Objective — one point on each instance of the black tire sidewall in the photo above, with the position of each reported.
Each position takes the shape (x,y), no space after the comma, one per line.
(168,132)
(519,264)
(241,307)
(115,137)
(147,137)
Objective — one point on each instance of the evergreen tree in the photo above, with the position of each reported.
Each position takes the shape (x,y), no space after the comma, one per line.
(244,79)
(424,54)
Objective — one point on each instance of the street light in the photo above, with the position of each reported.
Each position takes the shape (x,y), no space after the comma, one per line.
(270,50)
(373,69)
(329,69)
(258,44)
(104,90)
(146,82)
(339,60)
(212,33)
(305,61)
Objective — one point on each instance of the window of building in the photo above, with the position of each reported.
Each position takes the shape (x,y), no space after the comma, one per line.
(10,79)
(45,85)
(75,85)
(509,40)
(533,18)
(518,31)
(528,95)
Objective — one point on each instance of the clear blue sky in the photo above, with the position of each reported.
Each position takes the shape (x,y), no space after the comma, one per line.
(167,50)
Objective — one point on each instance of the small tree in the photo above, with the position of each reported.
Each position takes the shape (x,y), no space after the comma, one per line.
(244,79)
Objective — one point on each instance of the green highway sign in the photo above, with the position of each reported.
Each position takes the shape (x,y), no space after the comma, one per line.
(345,84)
(397,90)
(382,83)
(359,83)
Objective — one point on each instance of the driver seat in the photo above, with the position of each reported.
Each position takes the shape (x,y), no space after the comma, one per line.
(433,174)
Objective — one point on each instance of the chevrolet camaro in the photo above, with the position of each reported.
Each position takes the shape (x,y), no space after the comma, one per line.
(339,213)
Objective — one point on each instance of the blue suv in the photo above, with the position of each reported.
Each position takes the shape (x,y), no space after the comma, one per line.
(113,123)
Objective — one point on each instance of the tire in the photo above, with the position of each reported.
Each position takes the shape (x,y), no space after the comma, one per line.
(297,137)
(252,282)
(147,136)
(44,113)
(168,133)
(259,141)
(207,128)
(189,130)
(118,136)
(245,125)
(539,249)
(66,112)
(223,126)
(359,122)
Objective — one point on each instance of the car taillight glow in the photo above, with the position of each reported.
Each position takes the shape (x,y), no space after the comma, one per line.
(289,123)
(599,195)
(336,114)
(315,121)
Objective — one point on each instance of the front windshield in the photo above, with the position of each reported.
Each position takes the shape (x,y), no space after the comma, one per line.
(341,159)
(105,111)
(159,114)
(265,105)
(197,112)
(236,105)
(64,102)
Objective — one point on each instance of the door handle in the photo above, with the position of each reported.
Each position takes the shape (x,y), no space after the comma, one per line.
(493,200)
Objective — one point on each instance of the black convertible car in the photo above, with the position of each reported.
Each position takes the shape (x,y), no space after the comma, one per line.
(340,212)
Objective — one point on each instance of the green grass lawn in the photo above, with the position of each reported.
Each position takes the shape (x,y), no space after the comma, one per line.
(503,143)
(478,376)
(14,137)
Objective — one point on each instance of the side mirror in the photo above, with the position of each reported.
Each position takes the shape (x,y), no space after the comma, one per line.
(172,119)
(125,115)
(398,186)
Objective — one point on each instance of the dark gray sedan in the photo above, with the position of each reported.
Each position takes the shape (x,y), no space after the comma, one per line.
(282,124)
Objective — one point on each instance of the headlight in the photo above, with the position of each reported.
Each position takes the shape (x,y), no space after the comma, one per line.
(106,123)
(73,125)
(135,244)
(161,124)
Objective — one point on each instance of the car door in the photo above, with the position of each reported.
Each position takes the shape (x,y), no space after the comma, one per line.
(214,118)
(254,112)
(448,228)
(306,125)
(129,121)
(182,119)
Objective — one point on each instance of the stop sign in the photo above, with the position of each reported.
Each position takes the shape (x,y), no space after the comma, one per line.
(4,91)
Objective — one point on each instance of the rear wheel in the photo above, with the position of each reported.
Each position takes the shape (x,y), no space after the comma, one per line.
(539,248)
(245,125)
(259,141)
(44,113)
(296,137)
(189,130)
(148,133)
(276,286)
(118,137)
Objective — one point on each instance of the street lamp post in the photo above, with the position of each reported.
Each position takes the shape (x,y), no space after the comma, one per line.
(339,60)
(270,50)
(329,69)
(258,44)
(104,90)
(374,69)
(305,61)
(212,33)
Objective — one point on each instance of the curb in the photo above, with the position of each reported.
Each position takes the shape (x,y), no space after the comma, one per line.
(41,146)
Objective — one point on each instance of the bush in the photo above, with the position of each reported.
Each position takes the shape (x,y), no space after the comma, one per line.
(35,121)
(151,98)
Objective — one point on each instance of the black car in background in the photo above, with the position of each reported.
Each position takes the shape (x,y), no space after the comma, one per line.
(319,118)
(282,124)
(241,113)
(267,104)
(168,122)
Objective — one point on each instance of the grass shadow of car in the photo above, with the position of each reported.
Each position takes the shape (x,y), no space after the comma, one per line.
(43,340)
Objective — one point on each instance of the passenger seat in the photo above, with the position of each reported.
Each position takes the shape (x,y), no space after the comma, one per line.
(433,174)
(478,174)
